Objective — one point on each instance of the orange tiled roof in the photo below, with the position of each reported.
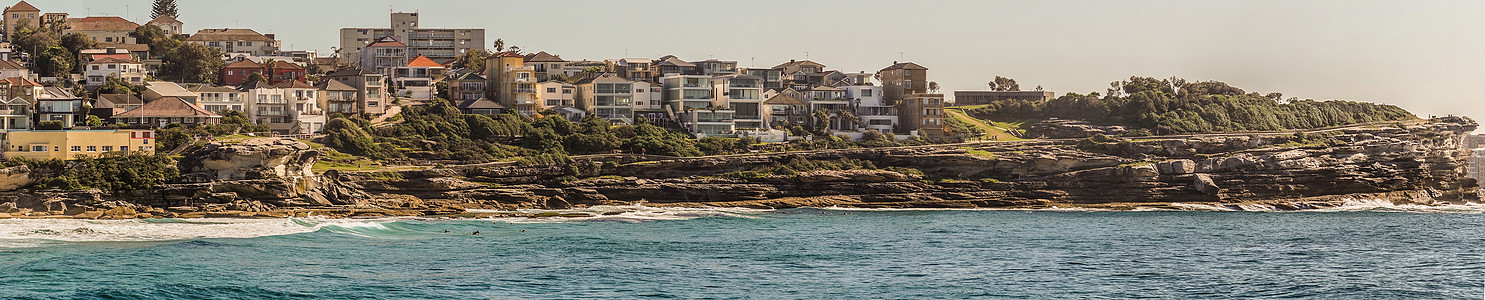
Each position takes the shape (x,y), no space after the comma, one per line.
(423,61)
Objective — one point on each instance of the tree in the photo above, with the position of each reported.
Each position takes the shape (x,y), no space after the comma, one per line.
(54,62)
(499,45)
(75,42)
(1004,84)
(192,63)
(94,121)
(164,8)
(253,78)
(474,59)
(933,86)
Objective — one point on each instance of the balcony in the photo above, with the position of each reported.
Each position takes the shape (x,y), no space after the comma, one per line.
(416,35)
(273,101)
(262,112)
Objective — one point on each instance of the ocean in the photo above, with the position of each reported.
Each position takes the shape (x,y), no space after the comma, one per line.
(1354,252)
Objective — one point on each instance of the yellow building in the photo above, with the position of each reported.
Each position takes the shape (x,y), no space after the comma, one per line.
(69,144)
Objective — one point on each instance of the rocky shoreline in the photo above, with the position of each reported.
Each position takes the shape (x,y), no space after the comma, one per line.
(1420,163)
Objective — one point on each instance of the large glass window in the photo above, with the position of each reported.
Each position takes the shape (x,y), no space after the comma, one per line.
(743,94)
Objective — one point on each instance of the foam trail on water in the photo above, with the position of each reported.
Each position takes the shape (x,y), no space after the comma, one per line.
(629,214)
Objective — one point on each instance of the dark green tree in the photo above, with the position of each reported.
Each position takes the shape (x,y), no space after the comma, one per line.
(164,8)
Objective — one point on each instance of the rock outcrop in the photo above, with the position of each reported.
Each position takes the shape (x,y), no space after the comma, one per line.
(1420,163)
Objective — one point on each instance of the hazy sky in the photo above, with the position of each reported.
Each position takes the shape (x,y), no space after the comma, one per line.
(1423,55)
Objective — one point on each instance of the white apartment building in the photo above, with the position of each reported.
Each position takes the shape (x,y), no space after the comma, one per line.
(744,94)
(218,99)
(551,94)
(873,111)
(439,44)
(98,71)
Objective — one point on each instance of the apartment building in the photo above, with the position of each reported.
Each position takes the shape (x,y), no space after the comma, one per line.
(98,71)
(716,67)
(985,97)
(103,29)
(671,65)
(305,114)
(902,80)
(229,40)
(833,102)
(217,99)
(512,82)
(235,73)
(801,75)
(372,95)
(73,144)
(924,114)
(383,56)
(693,100)
(772,79)
(11,69)
(787,109)
(266,105)
(610,96)
(438,44)
(744,95)
(160,89)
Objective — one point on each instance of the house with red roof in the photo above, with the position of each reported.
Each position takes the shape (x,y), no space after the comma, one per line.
(103,29)
(99,70)
(416,80)
(284,71)
(235,73)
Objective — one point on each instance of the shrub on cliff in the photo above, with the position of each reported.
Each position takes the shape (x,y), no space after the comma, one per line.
(1176,106)
(348,137)
(110,171)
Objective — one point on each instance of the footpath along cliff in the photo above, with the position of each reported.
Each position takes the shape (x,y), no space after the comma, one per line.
(1418,163)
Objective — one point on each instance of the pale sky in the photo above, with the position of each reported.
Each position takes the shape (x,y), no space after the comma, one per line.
(1422,55)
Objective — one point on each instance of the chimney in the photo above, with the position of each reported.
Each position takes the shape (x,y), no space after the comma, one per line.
(894,62)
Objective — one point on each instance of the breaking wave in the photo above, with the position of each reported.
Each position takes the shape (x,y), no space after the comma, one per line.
(1369,205)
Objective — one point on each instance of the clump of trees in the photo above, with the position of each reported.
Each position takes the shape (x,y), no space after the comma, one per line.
(112,171)
(1174,105)
(184,62)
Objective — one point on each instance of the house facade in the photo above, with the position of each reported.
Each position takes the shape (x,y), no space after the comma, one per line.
(372,95)
(98,71)
(73,144)
(230,40)
(103,29)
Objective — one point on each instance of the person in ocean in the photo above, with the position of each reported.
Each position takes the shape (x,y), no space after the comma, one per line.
(476,232)
(447,231)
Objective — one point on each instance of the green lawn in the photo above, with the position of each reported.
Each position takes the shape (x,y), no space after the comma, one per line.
(992,129)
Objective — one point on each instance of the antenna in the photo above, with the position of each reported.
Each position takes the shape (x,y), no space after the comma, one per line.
(900,56)
(806,55)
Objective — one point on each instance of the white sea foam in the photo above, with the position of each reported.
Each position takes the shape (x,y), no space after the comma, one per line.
(36,232)
(629,214)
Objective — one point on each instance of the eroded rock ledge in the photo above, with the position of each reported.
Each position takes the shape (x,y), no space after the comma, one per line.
(1420,163)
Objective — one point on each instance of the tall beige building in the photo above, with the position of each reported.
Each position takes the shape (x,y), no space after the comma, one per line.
(439,44)
(21,11)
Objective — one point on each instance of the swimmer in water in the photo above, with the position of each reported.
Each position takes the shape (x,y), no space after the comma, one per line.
(476,232)
(447,231)
(523,230)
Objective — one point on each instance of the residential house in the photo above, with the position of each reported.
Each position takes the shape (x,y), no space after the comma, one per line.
(218,99)
(744,95)
(284,71)
(166,110)
(610,96)
(787,109)
(98,71)
(415,80)
(160,89)
(103,29)
(481,106)
(73,144)
(339,98)
(772,79)
(634,69)
(716,67)
(832,101)
(801,74)
(230,41)
(383,56)
(372,95)
(670,65)
(9,69)
(963,98)
(924,113)
(438,44)
(305,113)
(899,82)
(57,104)
(109,104)
(872,111)
(512,82)
(21,12)
(546,66)
(235,73)
(553,94)
(17,87)
(15,114)
(168,24)
(135,52)
(54,17)
(466,85)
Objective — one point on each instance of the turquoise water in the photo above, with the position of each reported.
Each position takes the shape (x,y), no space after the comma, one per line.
(787,254)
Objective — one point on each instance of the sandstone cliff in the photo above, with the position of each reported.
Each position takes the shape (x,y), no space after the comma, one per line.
(1419,163)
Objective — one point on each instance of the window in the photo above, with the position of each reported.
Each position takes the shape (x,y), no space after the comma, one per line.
(866,92)
(38,148)
(552,90)
(229,72)
(112,66)
(95,68)
(124,148)
(107,148)
(77,148)
(148,134)
(108,39)
(92,148)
